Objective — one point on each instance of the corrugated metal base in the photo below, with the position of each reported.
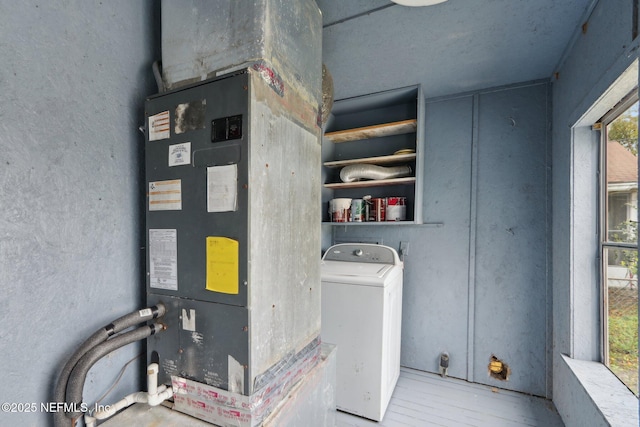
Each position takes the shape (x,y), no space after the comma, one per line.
(423,399)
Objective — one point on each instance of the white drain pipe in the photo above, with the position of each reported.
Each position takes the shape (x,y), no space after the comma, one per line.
(153,397)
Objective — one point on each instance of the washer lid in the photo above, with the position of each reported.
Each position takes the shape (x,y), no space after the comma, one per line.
(354,269)
(362,253)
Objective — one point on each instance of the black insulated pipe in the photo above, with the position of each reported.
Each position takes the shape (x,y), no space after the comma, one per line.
(79,374)
(100,336)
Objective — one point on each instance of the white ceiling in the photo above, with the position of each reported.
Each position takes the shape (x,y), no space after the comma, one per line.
(452,47)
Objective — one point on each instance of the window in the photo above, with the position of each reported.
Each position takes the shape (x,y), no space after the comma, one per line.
(619,245)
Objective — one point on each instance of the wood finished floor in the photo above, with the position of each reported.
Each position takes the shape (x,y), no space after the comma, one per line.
(422,399)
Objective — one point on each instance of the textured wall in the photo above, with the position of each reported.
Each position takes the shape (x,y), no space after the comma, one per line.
(73,79)
(594,61)
(512,238)
(478,285)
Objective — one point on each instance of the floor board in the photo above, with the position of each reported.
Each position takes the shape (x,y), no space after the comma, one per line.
(423,399)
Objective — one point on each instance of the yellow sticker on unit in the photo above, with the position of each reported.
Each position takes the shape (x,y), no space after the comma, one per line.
(222,265)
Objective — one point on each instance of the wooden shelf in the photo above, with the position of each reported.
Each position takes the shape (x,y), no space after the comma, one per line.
(370,124)
(380,160)
(372,183)
(375,131)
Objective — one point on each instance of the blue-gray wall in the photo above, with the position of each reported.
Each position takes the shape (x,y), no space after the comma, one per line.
(581,96)
(73,79)
(478,285)
(452,294)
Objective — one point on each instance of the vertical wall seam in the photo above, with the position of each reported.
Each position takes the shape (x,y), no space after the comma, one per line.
(472,240)
(572,242)
(549,248)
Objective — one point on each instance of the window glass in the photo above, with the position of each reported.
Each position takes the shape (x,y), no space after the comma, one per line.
(620,253)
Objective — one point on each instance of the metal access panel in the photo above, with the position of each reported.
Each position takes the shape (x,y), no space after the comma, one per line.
(194,330)
(233,231)
(178,168)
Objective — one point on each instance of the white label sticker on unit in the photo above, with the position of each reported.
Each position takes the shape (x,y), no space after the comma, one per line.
(163,259)
(180,154)
(222,188)
(159,126)
(165,195)
(189,320)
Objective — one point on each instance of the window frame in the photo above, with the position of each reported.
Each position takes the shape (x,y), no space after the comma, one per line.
(603,200)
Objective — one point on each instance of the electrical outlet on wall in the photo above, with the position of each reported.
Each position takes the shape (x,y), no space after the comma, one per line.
(404,249)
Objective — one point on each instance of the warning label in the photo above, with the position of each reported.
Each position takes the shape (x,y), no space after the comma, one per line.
(165,195)
(163,259)
(159,126)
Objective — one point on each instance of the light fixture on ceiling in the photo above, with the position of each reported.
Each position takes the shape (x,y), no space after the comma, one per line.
(414,3)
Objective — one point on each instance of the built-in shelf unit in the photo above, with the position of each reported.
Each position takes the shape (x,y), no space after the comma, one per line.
(384,129)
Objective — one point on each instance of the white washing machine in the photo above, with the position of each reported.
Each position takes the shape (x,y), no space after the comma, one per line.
(362,315)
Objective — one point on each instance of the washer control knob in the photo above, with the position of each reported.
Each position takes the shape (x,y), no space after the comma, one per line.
(358,252)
